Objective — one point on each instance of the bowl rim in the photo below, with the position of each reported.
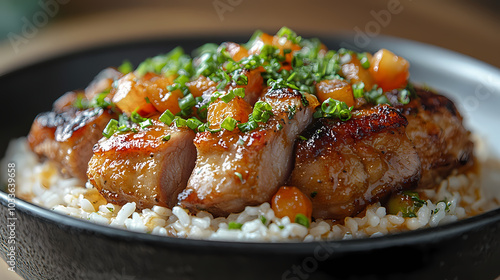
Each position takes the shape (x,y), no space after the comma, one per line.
(413,237)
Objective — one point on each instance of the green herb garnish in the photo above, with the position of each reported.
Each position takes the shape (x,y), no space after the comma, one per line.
(234,225)
(301,219)
(126,67)
(110,128)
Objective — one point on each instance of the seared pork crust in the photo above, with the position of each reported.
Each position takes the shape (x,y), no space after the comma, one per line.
(235,169)
(343,166)
(149,168)
(67,138)
(436,130)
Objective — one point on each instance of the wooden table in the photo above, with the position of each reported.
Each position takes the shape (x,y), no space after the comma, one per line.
(468,27)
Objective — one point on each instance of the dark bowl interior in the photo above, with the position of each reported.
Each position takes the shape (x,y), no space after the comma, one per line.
(53,246)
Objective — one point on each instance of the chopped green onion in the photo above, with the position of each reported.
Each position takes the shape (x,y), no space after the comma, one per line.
(110,128)
(193,123)
(248,126)
(382,100)
(290,35)
(263,219)
(136,117)
(302,138)
(167,117)
(166,137)
(238,174)
(81,103)
(262,111)
(292,110)
(239,92)
(229,123)
(100,100)
(234,225)
(329,106)
(363,59)
(126,67)
(228,97)
(180,122)
(146,123)
(301,219)
(187,102)
(404,97)
(358,89)
(332,108)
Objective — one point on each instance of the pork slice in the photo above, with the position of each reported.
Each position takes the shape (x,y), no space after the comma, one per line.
(235,169)
(344,166)
(436,130)
(67,137)
(149,168)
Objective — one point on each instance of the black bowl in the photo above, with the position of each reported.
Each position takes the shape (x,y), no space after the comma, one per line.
(49,245)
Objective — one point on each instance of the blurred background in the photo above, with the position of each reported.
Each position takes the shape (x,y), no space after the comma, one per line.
(33,30)
(36,30)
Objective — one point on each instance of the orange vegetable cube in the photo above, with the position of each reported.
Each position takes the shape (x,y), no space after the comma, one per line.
(281,43)
(130,96)
(200,85)
(237,109)
(290,201)
(337,89)
(389,70)
(355,73)
(237,51)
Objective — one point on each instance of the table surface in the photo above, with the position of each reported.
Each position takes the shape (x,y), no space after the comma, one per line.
(468,27)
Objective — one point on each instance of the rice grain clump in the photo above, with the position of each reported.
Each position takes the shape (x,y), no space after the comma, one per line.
(459,196)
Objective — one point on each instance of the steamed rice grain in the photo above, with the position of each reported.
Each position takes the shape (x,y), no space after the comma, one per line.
(457,197)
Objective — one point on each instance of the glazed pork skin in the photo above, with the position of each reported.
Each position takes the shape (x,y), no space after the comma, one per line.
(234,169)
(344,166)
(145,167)
(67,137)
(436,130)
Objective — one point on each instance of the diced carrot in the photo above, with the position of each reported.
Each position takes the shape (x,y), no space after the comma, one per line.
(146,110)
(337,89)
(237,108)
(200,85)
(290,201)
(281,43)
(237,51)
(254,87)
(130,96)
(389,70)
(158,94)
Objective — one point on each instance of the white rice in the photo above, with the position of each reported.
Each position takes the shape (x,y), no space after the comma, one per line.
(42,184)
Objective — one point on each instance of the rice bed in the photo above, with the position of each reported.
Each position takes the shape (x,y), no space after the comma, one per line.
(459,196)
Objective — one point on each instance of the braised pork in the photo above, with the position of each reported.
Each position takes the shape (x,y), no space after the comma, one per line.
(235,169)
(149,167)
(344,166)
(67,137)
(436,130)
